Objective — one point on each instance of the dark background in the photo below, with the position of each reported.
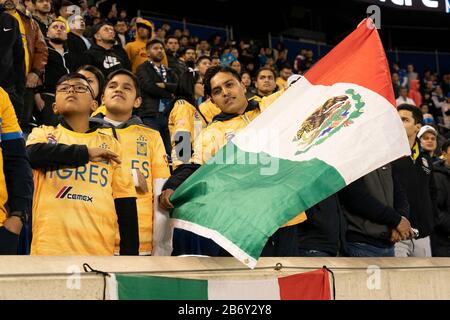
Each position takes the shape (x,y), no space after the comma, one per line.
(404,29)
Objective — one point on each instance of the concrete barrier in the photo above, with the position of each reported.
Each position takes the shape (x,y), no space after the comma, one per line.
(24,277)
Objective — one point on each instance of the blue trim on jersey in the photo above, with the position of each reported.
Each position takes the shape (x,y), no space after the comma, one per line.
(11,136)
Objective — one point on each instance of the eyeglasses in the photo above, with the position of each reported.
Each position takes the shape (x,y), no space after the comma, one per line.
(78,88)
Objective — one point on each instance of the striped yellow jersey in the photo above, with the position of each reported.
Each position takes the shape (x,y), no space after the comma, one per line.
(209,110)
(143,149)
(184,118)
(73,208)
(9,129)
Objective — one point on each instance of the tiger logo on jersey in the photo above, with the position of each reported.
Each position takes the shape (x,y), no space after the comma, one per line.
(141,146)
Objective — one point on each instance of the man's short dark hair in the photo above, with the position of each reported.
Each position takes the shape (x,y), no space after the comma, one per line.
(286,66)
(98,26)
(416,113)
(151,43)
(201,58)
(121,20)
(445,146)
(170,37)
(265,69)
(127,73)
(75,75)
(183,50)
(212,71)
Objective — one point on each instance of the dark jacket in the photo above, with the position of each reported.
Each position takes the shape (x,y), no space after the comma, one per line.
(12,62)
(151,93)
(107,60)
(176,65)
(373,205)
(325,228)
(416,177)
(76,46)
(442,227)
(57,66)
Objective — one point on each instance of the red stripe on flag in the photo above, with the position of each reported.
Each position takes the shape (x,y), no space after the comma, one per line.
(61,191)
(359,59)
(314,285)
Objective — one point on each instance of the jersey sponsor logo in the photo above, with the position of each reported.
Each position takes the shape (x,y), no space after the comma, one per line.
(51,139)
(141,146)
(110,62)
(65,193)
(6,30)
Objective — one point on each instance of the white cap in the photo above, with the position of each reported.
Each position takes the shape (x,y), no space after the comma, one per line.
(293,79)
(426,129)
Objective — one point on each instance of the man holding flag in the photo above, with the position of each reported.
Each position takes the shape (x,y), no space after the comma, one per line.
(224,86)
(333,126)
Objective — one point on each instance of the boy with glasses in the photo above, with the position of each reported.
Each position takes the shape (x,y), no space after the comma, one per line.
(82,189)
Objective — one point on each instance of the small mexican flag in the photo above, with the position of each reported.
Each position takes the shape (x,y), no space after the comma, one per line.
(333,126)
(312,285)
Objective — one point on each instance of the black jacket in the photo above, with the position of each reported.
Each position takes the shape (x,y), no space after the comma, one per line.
(325,228)
(76,46)
(373,205)
(57,66)
(151,93)
(442,227)
(176,65)
(12,60)
(416,177)
(107,60)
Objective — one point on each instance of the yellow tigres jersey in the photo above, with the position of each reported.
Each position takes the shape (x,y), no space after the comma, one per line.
(218,133)
(9,130)
(281,83)
(209,110)
(73,208)
(184,117)
(265,102)
(99,110)
(143,149)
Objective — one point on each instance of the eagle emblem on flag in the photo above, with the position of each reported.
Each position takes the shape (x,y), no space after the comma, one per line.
(334,114)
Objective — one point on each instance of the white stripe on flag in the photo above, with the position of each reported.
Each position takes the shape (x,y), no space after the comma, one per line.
(244,289)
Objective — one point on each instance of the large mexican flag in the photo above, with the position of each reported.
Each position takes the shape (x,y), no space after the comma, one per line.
(330,128)
(313,285)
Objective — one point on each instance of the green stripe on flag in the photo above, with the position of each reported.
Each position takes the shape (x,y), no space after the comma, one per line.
(248,214)
(160,288)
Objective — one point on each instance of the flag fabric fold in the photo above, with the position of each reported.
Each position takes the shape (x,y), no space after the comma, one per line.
(331,127)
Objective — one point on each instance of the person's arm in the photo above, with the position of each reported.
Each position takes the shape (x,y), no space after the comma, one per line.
(148,84)
(124,195)
(439,198)
(128,225)
(40,56)
(16,169)
(47,155)
(359,201)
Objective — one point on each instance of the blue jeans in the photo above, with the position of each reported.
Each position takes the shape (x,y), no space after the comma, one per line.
(359,249)
(312,253)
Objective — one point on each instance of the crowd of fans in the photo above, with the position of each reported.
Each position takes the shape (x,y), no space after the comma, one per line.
(158,90)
